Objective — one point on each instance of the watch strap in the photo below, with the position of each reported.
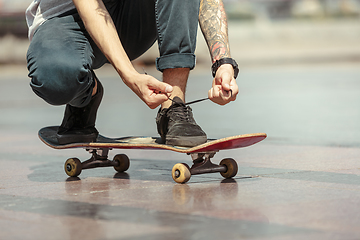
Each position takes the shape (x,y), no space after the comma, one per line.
(222,61)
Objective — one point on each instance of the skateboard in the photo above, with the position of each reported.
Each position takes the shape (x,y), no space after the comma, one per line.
(181,172)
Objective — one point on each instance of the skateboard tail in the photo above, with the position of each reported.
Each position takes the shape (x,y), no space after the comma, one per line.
(244,141)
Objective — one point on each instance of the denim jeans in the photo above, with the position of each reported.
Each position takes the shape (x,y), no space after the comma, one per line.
(61,54)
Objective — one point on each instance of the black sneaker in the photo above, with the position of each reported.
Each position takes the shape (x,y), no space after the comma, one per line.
(176,125)
(78,124)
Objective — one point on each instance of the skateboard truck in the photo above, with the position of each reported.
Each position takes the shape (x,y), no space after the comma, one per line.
(99,158)
(181,172)
(202,164)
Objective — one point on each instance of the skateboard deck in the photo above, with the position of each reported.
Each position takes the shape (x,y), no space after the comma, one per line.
(201,154)
(48,136)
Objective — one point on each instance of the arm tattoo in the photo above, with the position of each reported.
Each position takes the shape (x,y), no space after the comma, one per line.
(213,23)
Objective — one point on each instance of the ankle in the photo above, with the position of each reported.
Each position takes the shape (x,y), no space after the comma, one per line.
(177,78)
(170,101)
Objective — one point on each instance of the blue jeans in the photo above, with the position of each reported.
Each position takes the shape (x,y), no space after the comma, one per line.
(61,54)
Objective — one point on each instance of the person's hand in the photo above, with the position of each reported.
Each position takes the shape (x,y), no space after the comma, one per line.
(152,91)
(224,88)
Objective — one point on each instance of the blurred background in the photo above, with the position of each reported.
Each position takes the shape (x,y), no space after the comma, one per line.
(261,31)
(299,76)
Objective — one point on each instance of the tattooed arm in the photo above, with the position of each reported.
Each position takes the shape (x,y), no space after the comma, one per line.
(214,26)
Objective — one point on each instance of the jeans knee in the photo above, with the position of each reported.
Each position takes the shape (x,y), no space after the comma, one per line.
(59,84)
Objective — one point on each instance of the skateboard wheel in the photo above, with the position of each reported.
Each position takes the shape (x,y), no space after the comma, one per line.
(181,173)
(73,167)
(231,167)
(124,162)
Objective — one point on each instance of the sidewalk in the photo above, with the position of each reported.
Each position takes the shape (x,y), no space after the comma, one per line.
(302,182)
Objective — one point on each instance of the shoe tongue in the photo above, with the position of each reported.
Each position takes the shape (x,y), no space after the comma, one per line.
(177,101)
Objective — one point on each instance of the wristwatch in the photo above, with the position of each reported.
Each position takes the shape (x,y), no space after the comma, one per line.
(222,61)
